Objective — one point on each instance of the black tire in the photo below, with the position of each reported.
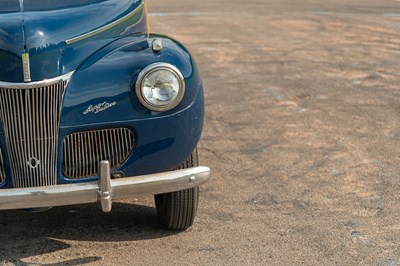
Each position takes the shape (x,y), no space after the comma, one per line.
(177,210)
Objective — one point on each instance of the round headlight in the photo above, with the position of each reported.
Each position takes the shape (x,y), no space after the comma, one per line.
(160,87)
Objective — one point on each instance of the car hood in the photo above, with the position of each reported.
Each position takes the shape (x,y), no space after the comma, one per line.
(60,35)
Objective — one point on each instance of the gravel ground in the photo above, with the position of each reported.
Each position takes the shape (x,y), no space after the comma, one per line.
(301,133)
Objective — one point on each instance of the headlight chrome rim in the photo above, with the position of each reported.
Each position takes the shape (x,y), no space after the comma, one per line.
(147,71)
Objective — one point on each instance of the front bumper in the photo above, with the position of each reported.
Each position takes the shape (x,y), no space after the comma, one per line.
(105,190)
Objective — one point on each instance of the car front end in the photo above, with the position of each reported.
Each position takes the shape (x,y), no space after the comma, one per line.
(95,108)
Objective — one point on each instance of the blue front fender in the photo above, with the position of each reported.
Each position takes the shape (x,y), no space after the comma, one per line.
(163,140)
(110,76)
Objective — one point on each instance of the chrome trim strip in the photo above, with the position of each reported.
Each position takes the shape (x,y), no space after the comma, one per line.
(36,84)
(106,27)
(71,194)
(26,65)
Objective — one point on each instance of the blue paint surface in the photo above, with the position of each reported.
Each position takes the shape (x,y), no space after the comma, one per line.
(42,29)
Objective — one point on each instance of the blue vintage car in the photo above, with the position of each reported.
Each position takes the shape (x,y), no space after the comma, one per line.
(95,108)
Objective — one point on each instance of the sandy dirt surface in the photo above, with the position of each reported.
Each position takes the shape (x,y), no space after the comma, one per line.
(302,134)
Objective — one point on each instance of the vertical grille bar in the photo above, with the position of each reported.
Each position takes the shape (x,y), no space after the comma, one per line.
(2,169)
(30,113)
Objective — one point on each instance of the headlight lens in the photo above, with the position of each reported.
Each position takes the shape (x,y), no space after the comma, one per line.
(160,87)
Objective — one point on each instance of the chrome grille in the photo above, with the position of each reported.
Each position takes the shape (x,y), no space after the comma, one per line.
(30,113)
(83,151)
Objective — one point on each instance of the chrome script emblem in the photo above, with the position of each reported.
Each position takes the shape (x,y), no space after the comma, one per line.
(26,67)
(99,107)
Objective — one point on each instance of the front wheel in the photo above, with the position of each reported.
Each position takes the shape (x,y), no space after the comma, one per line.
(177,210)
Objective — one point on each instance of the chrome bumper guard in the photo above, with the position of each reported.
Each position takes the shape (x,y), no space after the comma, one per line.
(105,190)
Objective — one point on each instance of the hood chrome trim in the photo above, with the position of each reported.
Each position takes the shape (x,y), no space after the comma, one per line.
(36,84)
(26,65)
(106,27)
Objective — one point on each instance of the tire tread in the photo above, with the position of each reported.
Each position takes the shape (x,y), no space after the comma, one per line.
(177,210)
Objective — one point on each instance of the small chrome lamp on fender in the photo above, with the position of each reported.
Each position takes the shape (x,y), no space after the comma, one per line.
(160,87)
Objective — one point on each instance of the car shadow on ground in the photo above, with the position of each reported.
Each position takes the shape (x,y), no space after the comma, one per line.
(26,234)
